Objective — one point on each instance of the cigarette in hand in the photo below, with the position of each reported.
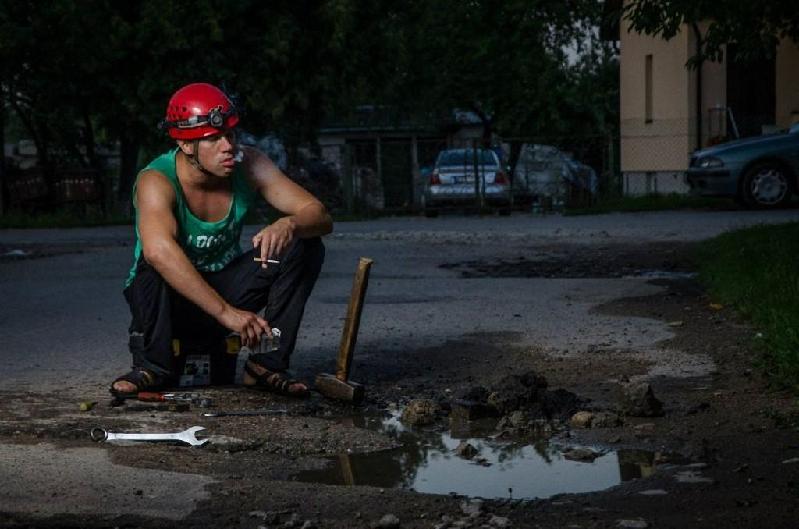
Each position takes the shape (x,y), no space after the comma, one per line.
(270,261)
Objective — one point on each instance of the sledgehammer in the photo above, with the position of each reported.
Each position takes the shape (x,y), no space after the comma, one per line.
(339,386)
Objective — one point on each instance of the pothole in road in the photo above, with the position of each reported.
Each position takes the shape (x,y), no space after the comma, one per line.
(429,462)
(655,261)
(560,270)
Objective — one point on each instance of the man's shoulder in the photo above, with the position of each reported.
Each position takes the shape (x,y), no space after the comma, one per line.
(153,176)
(154,181)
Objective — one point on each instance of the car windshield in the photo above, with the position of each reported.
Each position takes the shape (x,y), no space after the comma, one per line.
(465,157)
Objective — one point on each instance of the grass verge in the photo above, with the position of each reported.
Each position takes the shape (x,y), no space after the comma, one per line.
(654,202)
(755,271)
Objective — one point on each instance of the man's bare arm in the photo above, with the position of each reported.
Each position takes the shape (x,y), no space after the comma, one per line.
(305,215)
(155,198)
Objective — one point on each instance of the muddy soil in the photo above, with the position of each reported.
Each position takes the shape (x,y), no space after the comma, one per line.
(726,448)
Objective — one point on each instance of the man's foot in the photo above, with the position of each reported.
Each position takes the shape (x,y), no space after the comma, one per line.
(257,376)
(139,379)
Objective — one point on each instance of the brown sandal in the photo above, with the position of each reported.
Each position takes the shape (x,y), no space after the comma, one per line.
(276,382)
(143,379)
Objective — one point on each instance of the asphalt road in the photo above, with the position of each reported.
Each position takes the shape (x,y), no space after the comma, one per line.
(63,323)
(63,319)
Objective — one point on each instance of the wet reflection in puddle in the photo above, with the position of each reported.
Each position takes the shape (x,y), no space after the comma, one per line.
(427,462)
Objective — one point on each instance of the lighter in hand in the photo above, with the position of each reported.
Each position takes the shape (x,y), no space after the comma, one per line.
(269,344)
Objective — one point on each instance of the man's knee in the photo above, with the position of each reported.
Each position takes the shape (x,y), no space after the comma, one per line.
(310,252)
(313,250)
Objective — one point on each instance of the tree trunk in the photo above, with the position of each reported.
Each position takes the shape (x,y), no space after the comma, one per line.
(488,125)
(39,140)
(89,143)
(2,157)
(515,151)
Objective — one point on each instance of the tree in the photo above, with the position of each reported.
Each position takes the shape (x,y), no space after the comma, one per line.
(505,61)
(74,72)
(79,73)
(501,60)
(756,27)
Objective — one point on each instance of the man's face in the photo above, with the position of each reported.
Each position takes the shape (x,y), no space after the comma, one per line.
(217,153)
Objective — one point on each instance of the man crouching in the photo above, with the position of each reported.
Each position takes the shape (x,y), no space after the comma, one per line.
(189,270)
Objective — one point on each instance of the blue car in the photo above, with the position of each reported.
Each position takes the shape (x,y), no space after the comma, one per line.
(759,172)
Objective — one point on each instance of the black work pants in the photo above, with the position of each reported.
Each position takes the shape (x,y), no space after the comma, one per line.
(160,314)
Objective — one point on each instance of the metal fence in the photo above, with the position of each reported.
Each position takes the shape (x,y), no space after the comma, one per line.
(391,171)
(30,188)
(393,175)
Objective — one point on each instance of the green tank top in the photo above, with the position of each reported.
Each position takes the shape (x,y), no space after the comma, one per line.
(210,246)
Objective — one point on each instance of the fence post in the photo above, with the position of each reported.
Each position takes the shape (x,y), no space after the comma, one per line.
(379,156)
(347,177)
(478,188)
(613,179)
(415,175)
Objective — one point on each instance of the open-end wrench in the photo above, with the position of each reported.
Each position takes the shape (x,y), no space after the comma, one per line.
(186,436)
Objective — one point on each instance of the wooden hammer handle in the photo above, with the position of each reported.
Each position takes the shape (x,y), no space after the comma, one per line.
(353,320)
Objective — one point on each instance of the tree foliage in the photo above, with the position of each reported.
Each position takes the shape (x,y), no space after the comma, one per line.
(503,60)
(755,26)
(77,74)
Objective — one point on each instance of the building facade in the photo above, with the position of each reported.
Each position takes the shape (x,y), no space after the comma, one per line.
(668,109)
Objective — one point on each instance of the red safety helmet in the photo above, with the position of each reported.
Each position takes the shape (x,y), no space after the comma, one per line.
(199,110)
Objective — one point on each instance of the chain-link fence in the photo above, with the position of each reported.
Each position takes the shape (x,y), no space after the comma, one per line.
(388,173)
(382,175)
(415,175)
(385,173)
(566,172)
(30,189)
(411,175)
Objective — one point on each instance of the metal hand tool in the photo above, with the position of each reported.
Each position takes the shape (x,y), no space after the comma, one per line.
(193,398)
(186,436)
(245,413)
(338,386)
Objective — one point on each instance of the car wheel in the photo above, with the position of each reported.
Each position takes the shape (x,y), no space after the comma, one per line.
(766,185)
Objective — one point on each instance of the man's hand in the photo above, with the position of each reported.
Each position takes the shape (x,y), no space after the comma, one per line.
(274,238)
(248,324)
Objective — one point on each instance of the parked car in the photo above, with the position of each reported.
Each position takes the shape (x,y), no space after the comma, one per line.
(545,173)
(759,172)
(452,181)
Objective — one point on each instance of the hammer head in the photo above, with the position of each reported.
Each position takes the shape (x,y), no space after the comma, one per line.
(333,388)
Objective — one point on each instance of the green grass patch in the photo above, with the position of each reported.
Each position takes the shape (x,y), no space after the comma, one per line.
(653,202)
(756,271)
(62,218)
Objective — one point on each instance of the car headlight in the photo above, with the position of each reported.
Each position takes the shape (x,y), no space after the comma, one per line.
(709,162)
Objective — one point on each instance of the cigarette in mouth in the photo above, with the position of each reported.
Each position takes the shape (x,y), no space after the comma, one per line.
(271,261)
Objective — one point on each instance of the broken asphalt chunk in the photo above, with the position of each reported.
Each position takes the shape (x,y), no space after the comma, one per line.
(636,399)
(420,412)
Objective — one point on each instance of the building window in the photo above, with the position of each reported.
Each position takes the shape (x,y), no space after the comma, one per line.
(648,90)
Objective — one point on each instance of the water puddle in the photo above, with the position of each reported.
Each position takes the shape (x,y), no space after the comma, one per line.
(427,462)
